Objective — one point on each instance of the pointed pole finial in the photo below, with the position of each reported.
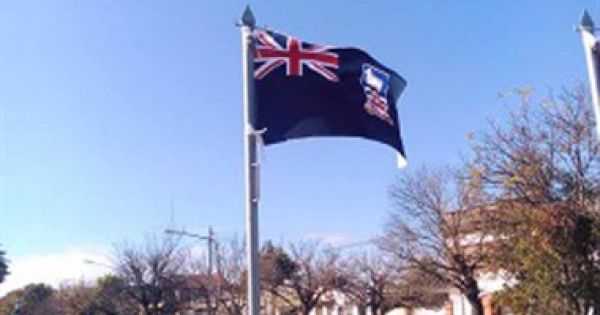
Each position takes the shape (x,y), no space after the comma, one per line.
(586,22)
(248,17)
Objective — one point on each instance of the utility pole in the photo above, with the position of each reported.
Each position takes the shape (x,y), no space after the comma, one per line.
(210,240)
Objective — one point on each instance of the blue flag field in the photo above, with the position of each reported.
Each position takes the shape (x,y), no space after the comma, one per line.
(305,90)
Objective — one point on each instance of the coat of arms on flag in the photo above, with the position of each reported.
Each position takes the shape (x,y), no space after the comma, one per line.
(376,83)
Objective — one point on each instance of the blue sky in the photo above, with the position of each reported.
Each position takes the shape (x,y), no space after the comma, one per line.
(112,111)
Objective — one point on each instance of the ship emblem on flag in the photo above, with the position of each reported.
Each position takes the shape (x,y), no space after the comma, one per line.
(294,55)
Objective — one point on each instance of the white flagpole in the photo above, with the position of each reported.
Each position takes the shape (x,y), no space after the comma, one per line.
(589,44)
(251,166)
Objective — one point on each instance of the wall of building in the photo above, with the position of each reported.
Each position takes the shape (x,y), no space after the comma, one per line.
(419,311)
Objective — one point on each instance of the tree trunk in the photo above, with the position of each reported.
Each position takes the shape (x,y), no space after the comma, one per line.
(374,309)
(475,301)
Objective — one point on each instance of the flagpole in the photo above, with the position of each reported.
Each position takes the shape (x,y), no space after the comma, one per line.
(251,166)
(586,29)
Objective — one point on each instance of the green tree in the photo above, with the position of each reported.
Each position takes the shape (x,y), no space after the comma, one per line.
(3,266)
(109,297)
(9,300)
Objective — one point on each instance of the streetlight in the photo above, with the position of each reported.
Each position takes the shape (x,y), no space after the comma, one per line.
(96,263)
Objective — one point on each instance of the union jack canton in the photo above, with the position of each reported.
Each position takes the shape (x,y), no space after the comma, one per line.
(294,55)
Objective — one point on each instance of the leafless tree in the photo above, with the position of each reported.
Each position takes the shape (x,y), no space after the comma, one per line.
(153,274)
(368,279)
(230,282)
(75,298)
(437,227)
(301,278)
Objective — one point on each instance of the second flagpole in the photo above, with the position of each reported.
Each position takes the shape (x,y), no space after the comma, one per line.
(586,29)
(251,166)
